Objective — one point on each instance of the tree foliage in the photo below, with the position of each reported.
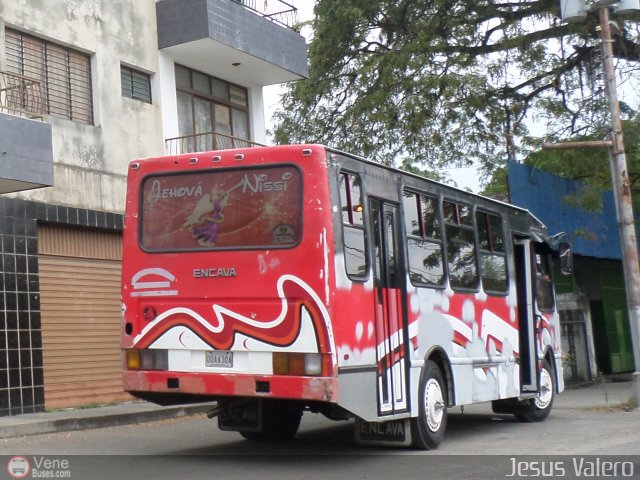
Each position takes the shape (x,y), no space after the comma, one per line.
(441,83)
(589,166)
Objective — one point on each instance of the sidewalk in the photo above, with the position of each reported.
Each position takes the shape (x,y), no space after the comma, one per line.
(594,396)
(597,395)
(99,417)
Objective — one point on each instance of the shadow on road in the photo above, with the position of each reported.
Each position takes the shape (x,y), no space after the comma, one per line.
(328,450)
(338,439)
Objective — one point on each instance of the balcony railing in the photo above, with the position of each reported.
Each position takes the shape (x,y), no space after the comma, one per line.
(275,10)
(204,142)
(20,95)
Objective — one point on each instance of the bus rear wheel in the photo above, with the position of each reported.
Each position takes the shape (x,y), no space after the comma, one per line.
(427,429)
(538,408)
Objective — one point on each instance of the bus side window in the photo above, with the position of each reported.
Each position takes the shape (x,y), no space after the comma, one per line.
(544,285)
(461,249)
(424,245)
(355,253)
(493,260)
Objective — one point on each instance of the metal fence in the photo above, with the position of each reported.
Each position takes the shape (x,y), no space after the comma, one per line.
(204,142)
(20,95)
(275,10)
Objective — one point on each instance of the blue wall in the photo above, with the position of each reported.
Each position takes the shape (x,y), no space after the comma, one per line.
(592,234)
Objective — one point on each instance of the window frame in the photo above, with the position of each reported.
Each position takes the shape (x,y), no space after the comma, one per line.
(130,92)
(67,83)
(423,238)
(214,101)
(492,251)
(469,227)
(251,168)
(351,224)
(539,277)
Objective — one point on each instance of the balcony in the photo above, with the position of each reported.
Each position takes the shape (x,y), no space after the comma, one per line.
(20,95)
(26,149)
(246,40)
(204,142)
(274,10)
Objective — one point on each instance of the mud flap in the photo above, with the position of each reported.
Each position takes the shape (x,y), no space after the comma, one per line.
(390,433)
(243,416)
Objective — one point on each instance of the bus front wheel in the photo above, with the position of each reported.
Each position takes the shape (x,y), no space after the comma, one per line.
(427,429)
(538,408)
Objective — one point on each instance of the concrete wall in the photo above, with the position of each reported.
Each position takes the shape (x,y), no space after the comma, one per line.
(226,22)
(90,161)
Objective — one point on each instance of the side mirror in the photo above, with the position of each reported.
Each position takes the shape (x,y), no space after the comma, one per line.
(566,258)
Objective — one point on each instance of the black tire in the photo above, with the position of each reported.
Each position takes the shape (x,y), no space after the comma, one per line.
(427,429)
(538,408)
(280,420)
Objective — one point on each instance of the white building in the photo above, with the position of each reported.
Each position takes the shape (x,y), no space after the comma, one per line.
(85,87)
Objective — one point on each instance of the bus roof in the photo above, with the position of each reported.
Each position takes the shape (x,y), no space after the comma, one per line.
(434,182)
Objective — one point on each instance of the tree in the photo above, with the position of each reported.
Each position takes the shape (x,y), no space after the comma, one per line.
(438,83)
(590,166)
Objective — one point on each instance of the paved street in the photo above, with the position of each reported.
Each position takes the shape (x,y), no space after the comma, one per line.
(476,432)
(325,449)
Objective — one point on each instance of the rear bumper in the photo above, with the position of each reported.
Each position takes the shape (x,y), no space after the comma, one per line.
(323,389)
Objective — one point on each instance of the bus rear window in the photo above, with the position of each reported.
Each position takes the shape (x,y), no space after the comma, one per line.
(222,209)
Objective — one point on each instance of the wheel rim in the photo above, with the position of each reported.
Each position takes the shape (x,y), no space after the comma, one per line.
(544,397)
(434,404)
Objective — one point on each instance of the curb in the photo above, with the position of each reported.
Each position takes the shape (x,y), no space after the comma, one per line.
(39,427)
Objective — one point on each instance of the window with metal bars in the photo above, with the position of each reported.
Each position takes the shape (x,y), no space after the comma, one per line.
(135,84)
(64,72)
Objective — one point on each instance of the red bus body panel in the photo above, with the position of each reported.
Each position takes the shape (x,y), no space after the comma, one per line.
(248,300)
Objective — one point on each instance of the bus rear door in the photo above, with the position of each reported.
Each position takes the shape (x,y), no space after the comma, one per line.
(391,347)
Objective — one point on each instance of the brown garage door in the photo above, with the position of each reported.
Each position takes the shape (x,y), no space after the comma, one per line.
(80,310)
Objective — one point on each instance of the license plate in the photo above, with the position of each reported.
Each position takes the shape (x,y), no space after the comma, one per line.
(219,359)
(246,418)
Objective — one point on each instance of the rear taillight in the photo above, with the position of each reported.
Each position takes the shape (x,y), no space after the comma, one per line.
(147,359)
(303,364)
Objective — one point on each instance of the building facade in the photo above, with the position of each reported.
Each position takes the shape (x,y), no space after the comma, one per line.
(596,333)
(85,87)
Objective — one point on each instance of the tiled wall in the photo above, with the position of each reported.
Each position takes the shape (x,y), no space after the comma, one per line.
(21,369)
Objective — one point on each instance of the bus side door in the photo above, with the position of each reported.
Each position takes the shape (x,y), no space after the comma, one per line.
(523,255)
(390,331)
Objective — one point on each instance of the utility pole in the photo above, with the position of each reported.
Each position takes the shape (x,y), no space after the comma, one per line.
(576,11)
(622,195)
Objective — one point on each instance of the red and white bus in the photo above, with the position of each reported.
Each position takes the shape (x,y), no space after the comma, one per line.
(278,280)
